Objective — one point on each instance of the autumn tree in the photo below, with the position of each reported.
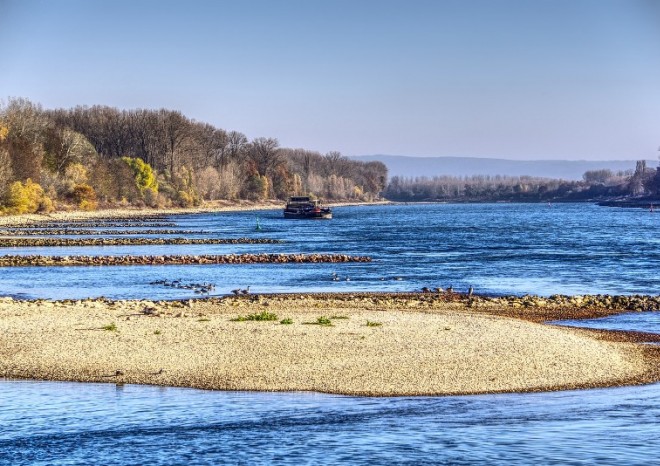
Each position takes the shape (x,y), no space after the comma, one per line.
(145,178)
(27,197)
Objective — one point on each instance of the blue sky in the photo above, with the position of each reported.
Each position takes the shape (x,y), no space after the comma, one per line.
(519,79)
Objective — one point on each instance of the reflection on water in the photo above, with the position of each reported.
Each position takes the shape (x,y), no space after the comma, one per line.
(497,248)
(67,423)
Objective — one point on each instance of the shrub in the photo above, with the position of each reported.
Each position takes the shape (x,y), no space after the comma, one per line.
(84,196)
(185,199)
(323,321)
(373,324)
(262,316)
(286,321)
(46,205)
(25,198)
(151,197)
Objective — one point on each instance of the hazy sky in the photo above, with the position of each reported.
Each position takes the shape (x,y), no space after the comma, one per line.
(521,79)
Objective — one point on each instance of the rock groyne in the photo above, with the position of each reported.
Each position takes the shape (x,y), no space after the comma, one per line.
(76,231)
(51,261)
(59,242)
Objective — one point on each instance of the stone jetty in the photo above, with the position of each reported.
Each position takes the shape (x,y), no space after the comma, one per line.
(60,225)
(58,242)
(76,231)
(50,261)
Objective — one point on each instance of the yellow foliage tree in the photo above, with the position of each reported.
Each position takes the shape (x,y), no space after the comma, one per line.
(4,131)
(28,197)
(145,178)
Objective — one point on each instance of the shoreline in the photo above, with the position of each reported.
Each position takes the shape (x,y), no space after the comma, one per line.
(414,346)
(136,213)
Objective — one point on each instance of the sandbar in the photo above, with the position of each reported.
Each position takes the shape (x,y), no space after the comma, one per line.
(373,347)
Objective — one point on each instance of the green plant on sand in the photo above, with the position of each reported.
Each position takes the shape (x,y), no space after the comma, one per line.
(263,316)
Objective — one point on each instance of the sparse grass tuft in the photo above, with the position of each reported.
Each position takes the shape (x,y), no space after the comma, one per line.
(110,327)
(203,319)
(339,317)
(286,321)
(373,324)
(323,320)
(157,332)
(263,316)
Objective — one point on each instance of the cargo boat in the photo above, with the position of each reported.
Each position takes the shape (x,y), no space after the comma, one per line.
(304,207)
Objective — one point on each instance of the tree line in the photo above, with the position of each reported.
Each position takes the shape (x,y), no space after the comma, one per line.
(595,185)
(88,157)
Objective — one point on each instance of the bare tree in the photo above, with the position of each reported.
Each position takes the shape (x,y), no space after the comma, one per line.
(265,155)
(175,129)
(236,146)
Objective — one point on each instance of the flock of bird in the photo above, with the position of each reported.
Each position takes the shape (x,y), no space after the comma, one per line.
(449,289)
(205,288)
(240,291)
(199,288)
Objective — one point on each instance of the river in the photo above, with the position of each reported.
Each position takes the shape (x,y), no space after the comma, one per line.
(497,248)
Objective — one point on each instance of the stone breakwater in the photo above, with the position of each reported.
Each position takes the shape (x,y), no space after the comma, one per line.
(125,219)
(529,307)
(75,231)
(629,303)
(49,261)
(57,242)
(47,225)
(25,221)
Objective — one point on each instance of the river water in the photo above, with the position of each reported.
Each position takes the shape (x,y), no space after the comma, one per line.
(499,249)
(45,423)
(496,248)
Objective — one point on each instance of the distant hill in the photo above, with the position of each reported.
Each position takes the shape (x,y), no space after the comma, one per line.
(399,165)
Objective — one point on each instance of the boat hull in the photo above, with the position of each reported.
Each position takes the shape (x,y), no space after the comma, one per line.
(308,215)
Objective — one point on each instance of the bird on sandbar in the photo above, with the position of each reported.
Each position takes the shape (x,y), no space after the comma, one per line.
(237,291)
(246,290)
(450,289)
(470,290)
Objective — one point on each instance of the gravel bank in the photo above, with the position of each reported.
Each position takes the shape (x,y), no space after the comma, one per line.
(411,347)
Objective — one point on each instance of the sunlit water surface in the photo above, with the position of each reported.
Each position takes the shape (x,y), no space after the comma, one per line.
(497,248)
(73,424)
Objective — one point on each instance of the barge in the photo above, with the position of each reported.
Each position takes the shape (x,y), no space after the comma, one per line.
(304,207)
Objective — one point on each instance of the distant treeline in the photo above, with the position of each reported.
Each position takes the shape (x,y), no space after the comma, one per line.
(90,156)
(596,185)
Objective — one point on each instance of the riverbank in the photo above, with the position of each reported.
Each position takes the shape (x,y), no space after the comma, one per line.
(360,344)
(130,213)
